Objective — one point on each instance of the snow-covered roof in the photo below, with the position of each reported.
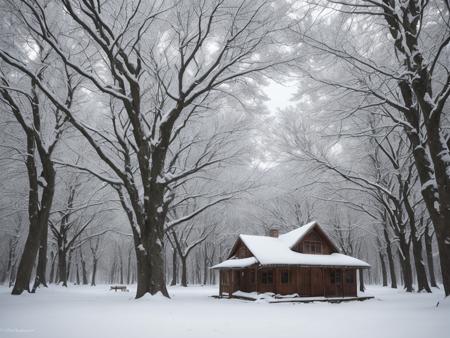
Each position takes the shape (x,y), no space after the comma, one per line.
(278,251)
(236,263)
(292,237)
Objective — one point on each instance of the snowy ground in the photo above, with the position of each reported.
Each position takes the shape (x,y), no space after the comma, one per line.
(85,312)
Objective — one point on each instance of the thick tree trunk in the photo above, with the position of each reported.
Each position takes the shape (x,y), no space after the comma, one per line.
(444,256)
(392,272)
(174,268)
(62,267)
(439,209)
(198,269)
(429,252)
(27,260)
(383,269)
(422,280)
(150,272)
(405,263)
(94,271)
(183,271)
(149,245)
(39,206)
(41,269)
(77,280)
(432,166)
(51,278)
(69,266)
(83,269)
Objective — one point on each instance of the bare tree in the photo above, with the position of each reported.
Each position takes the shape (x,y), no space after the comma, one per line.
(30,109)
(94,245)
(13,241)
(152,92)
(411,88)
(184,239)
(69,225)
(428,235)
(390,183)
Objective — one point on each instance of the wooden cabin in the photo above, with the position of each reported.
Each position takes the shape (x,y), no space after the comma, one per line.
(304,261)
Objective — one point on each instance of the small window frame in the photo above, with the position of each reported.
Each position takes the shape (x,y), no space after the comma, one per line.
(285,277)
(333,277)
(349,277)
(312,247)
(267,277)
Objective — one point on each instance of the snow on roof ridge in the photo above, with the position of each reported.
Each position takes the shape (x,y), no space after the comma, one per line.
(293,236)
(304,227)
(278,250)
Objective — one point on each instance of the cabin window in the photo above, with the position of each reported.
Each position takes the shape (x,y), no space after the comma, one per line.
(312,247)
(285,277)
(338,277)
(349,278)
(267,277)
(335,277)
(241,252)
(332,277)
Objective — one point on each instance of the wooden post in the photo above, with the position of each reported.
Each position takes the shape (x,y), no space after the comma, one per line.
(275,280)
(323,281)
(231,289)
(220,283)
(256,279)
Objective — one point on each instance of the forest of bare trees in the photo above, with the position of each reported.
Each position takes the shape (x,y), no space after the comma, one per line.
(139,138)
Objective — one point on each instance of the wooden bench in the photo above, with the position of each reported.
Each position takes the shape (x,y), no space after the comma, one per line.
(122,288)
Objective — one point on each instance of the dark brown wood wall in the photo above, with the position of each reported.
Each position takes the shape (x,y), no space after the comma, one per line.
(306,281)
(241,250)
(315,236)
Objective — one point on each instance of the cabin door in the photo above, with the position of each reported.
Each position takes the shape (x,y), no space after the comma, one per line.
(336,286)
(316,282)
(339,284)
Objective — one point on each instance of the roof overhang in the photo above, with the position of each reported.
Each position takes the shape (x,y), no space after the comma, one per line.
(314,266)
(236,263)
(259,266)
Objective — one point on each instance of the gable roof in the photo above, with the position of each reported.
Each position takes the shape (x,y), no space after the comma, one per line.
(293,237)
(278,251)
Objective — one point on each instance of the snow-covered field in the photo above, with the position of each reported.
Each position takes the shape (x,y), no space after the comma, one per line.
(85,312)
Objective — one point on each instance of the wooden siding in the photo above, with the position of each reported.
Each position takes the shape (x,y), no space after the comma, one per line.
(240,250)
(315,236)
(265,283)
(305,281)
